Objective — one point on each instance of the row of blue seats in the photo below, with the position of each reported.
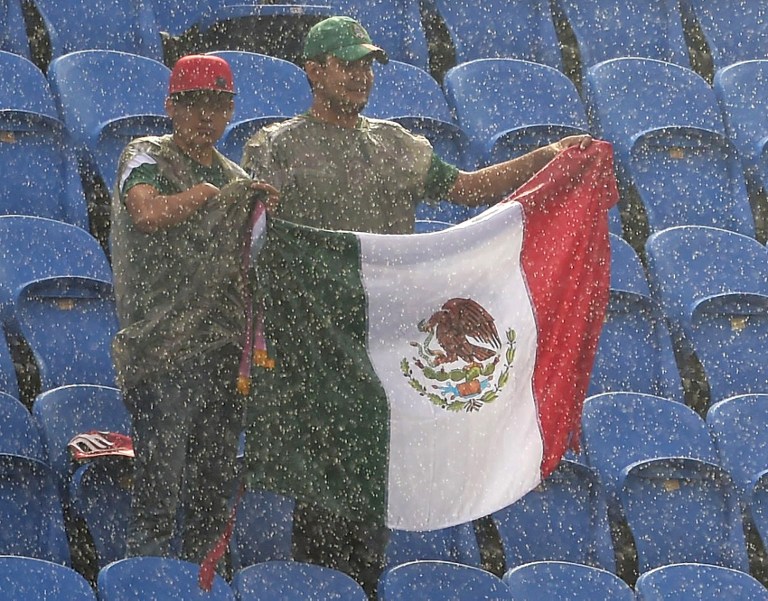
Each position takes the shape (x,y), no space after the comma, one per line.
(683,146)
(175,580)
(733,30)
(704,294)
(680,483)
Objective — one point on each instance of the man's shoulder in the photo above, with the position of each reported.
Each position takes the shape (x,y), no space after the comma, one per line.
(150,143)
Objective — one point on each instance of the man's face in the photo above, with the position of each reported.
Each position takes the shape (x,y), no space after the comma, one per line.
(343,85)
(199,118)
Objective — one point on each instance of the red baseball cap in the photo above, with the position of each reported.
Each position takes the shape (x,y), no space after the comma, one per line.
(201,72)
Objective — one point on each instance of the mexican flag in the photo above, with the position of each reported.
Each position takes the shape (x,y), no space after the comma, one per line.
(426,380)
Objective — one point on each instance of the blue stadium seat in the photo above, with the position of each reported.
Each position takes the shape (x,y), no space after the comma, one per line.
(13,35)
(621,428)
(34,249)
(670,143)
(684,581)
(100,494)
(738,428)
(263,528)
(491,30)
(177,16)
(18,431)
(395,25)
(509,107)
(107,98)
(26,578)
(683,510)
(269,89)
(294,581)
(70,410)
(607,29)
(40,175)
(440,580)
(564,518)
(733,30)
(104,24)
(742,91)
(157,578)
(9,383)
(635,349)
(565,581)
(456,543)
(758,505)
(31,511)
(712,285)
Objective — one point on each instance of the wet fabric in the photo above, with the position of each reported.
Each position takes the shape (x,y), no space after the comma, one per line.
(364,179)
(179,291)
(428,380)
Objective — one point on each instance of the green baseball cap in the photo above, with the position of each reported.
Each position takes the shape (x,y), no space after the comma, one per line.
(342,37)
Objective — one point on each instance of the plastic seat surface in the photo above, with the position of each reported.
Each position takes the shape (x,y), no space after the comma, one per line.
(27,578)
(680,582)
(440,580)
(565,581)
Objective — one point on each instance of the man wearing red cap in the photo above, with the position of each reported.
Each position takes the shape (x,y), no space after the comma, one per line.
(179,223)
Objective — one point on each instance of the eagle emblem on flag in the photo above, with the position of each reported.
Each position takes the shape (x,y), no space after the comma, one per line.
(461,362)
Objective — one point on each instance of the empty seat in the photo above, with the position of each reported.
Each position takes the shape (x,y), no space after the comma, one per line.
(607,29)
(31,511)
(670,143)
(157,578)
(712,285)
(565,581)
(39,169)
(107,98)
(684,581)
(26,578)
(263,528)
(733,30)
(635,349)
(621,428)
(564,518)
(18,431)
(738,427)
(509,107)
(457,544)
(105,24)
(13,34)
(268,88)
(683,510)
(439,580)
(294,581)
(491,30)
(70,410)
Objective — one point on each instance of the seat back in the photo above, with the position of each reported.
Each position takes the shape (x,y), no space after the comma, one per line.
(31,511)
(683,510)
(737,426)
(457,543)
(70,410)
(683,581)
(564,518)
(157,578)
(13,34)
(491,30)
(9,383)
(26,578)
(733,30)
(177,16)
(105,24)
(108,98)
(18,432)
(38,163)
(565,581)
(294,581)
(607,29)
(635,349)
(509,107)
(621,428)
(439,580)
(716,301)
(263,528)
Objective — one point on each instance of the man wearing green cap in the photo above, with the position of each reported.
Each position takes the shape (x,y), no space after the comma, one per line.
(337,169)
